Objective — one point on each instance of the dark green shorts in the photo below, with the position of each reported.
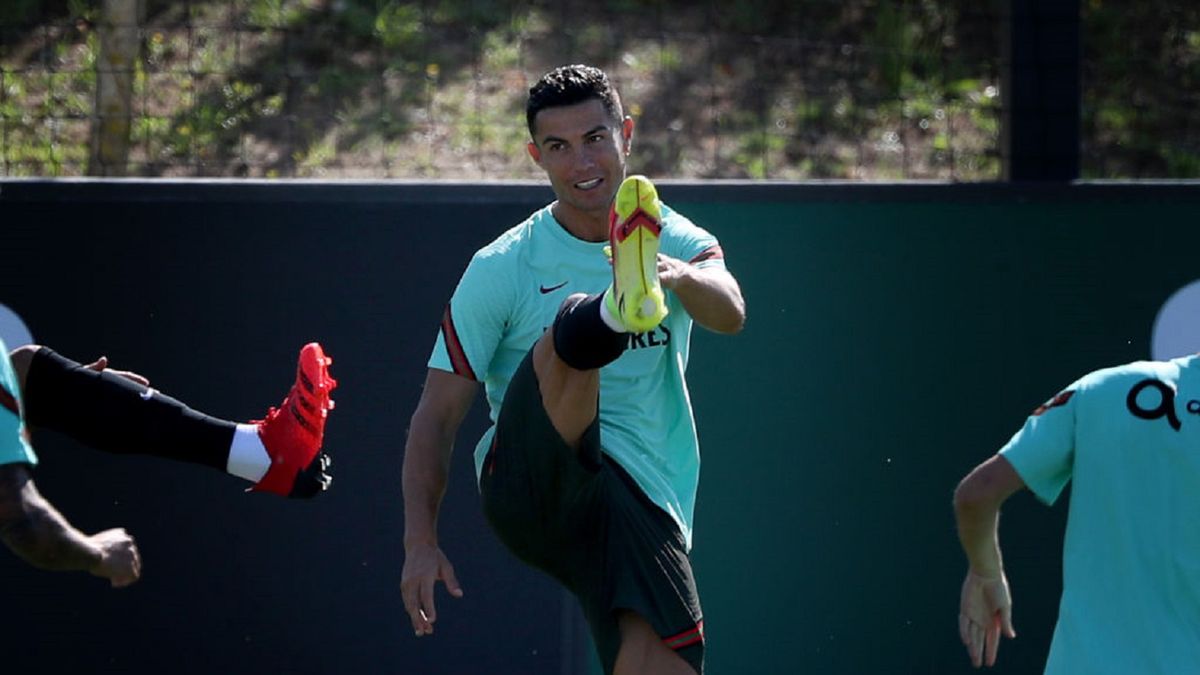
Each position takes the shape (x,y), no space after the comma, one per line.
(586,523)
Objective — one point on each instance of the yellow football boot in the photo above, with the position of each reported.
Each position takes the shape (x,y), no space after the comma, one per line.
(635,224)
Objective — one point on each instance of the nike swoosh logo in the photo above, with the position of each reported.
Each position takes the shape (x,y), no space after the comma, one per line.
(146,395)
(551,289)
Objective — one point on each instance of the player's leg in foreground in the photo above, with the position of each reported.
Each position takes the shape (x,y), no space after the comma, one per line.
(118,413)
(592,331)
(589,333)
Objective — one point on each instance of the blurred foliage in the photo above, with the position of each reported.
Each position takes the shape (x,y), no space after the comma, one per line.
(1141,89)
(777,89)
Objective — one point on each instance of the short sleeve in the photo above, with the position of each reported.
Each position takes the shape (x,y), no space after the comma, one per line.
(473,322)
(691,243)
(1043,451)
(14,446)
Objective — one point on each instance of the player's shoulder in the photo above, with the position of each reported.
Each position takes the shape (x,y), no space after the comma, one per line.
(681,236)
(677,223)
(1132,372)
(1190,363)
(510,242)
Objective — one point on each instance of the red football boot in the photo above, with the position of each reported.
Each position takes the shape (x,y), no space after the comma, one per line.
(293,432)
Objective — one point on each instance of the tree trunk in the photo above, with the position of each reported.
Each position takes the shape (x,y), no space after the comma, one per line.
(111,123)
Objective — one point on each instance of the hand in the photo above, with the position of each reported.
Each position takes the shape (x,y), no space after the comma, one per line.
(101,364)
(984,611)
(671,270)
(120,561)
(424,565)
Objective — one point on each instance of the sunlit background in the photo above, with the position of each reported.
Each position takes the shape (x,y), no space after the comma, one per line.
(766,89)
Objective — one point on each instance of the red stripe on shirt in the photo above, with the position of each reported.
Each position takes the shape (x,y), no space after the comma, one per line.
(9,401)
(458,356)
(1055,402)
(709,254)
(687,638)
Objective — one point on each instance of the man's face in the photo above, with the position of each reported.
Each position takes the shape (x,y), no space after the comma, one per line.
(582,149)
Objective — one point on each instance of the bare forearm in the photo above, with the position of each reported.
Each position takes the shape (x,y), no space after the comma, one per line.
(426,460)
(978,532)
(713,298)
(977,501)
(43,538)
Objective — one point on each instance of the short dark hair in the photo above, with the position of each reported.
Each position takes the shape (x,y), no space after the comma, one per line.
(568,85)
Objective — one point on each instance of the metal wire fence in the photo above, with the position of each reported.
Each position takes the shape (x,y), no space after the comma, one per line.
(769,89)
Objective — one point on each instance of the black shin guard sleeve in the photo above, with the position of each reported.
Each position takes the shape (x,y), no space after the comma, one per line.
(111,413)
(582,339)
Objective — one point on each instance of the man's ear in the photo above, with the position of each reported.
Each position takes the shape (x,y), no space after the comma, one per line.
(627,134)
(534,151)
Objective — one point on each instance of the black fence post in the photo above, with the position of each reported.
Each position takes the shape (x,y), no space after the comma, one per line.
(1040,86)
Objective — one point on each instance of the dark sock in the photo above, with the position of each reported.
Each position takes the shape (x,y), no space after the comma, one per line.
(108,412)
(582,339)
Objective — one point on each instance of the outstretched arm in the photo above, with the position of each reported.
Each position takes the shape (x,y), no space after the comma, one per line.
(33,529)
(711,295)
(444,403)
(22,358)
(985,606)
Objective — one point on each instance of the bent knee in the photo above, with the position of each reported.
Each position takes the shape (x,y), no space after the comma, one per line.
(571,300)
(22,358)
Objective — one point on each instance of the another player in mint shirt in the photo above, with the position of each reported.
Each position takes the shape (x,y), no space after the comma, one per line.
(14,441)
(590,469)
(1128,440)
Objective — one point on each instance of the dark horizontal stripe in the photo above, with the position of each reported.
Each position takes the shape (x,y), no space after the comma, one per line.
(536,193)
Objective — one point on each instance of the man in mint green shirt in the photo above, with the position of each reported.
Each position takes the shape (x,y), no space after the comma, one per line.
(590,469)
(14,438)
(531,269)
(1128,438)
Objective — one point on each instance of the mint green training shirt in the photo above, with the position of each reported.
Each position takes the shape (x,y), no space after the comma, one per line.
(509,295)
(1129,440)
(13,446)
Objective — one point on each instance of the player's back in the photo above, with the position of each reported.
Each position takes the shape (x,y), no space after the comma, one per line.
(1131,560)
